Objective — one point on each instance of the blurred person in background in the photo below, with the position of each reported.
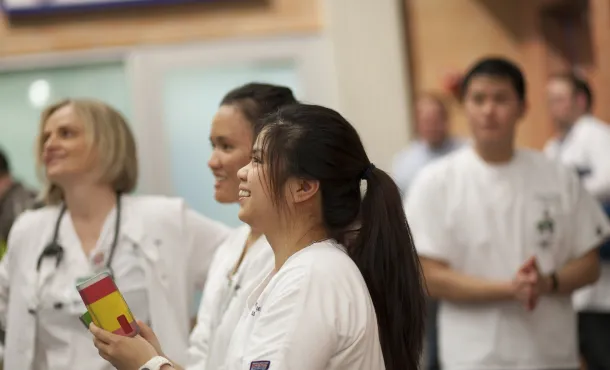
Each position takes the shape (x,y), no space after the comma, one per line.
(504,236)
(433,140)
(14,199)
(157,249)
(582,143)
(244,260)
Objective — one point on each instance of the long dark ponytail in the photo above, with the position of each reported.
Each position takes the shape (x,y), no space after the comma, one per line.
(385,253)
(317,143)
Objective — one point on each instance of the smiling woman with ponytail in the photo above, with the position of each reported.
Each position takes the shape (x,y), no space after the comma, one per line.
(346,292)
(305,186)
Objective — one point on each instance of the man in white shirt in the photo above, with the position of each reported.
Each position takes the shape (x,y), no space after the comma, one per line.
(582,144)
(504,236)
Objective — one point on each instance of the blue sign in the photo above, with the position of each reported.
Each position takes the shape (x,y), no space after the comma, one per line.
(26,7)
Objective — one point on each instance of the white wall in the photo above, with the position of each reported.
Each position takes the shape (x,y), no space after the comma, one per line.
(370,58)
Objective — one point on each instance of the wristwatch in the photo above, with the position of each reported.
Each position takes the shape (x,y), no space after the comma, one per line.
(554,282)
(156,363)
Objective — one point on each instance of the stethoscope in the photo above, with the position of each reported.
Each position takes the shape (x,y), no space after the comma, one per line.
(55,250)
(234,282)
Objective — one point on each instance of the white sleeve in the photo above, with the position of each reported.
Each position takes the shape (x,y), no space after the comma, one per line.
(598,152)
(199,342)
(296,329)
(425,210)
(589,224)
(204,237)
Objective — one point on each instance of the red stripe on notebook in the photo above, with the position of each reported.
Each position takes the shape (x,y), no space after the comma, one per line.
(128,330)
(98,290)
(124,324)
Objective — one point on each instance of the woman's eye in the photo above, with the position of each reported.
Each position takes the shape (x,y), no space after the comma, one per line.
(66,133)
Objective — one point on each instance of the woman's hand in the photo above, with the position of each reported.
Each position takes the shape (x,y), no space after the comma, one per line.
(147,333)
(126,353)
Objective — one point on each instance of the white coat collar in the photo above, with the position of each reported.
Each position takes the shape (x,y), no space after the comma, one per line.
(132,223)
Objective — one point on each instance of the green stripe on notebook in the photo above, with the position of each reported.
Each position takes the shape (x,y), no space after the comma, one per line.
(86,319)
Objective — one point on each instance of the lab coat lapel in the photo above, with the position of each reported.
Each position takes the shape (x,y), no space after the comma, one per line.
(132,230)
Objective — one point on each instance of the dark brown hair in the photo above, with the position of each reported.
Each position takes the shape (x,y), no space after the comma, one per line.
(256,100)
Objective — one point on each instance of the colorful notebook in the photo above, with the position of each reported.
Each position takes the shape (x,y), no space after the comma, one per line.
(106,306)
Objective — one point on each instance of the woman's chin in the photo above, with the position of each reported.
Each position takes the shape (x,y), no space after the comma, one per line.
(224,198)
(244,215)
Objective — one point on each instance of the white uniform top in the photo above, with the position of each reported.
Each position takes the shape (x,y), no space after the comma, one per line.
(315,313)
(224,297)
(162,257)
(586,149)
(486,221)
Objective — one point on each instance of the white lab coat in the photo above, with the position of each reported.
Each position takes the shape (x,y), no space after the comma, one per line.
(224,299)
(316,313)
(586,150)
(174,244)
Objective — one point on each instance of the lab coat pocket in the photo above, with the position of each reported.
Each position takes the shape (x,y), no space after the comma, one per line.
(59,324)
(137,301)
(132,281)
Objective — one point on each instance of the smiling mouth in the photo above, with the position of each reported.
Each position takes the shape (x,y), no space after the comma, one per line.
(244,193)
(51,161)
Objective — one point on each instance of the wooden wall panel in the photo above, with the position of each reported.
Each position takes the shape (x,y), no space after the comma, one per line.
(600,75)
(451,35)
(543,36)
(159,25)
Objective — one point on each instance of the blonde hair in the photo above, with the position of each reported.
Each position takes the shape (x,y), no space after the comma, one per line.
(108,133)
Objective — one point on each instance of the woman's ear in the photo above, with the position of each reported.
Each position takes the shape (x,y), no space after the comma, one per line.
(303,189)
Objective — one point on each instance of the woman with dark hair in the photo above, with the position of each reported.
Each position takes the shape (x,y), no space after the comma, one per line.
(346,291)
(243,260)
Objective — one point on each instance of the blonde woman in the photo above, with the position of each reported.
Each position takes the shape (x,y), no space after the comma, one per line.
(157,249)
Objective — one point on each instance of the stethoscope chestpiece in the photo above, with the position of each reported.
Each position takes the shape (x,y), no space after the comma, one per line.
(51,250)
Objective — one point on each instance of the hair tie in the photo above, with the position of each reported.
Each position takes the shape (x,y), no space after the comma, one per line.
(366,174)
